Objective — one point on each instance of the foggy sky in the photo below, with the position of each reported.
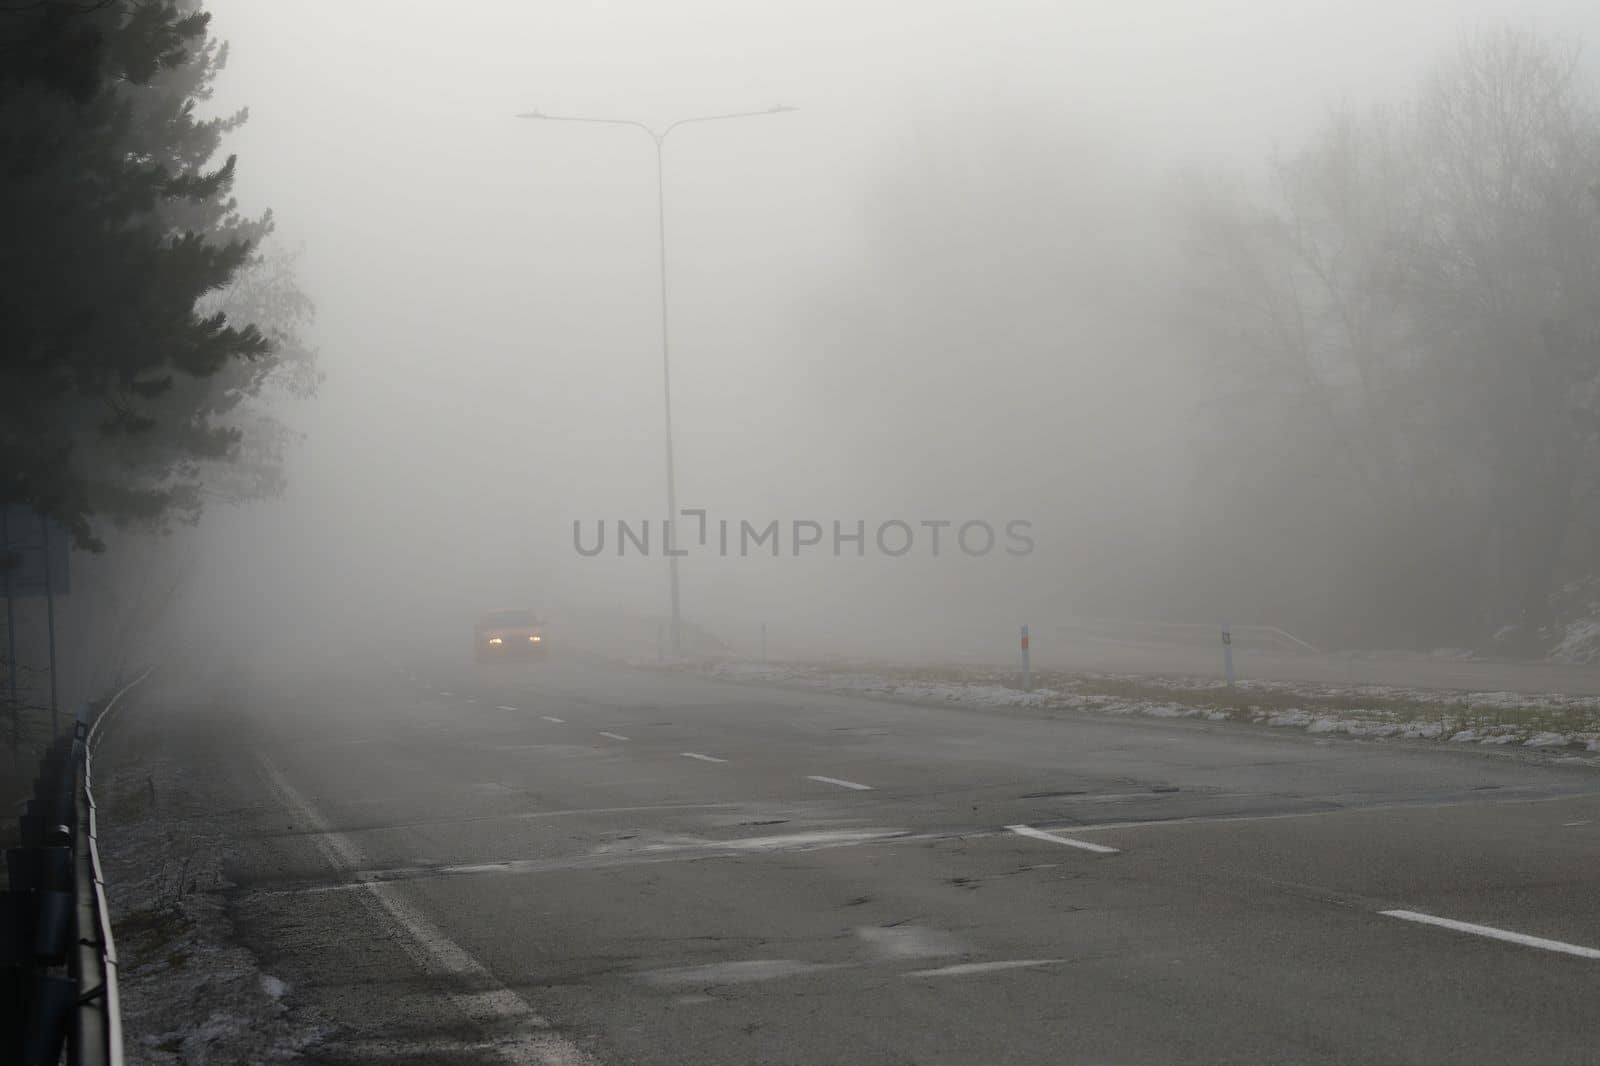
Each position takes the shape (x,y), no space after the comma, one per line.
(488,316)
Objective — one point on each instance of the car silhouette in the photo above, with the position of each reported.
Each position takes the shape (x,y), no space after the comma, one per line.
(509,633)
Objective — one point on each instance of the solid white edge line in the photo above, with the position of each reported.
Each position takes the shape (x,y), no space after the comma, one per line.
(613,736)
(964,968)
(1040,834)
(840,782)
(702,758)
(1496,934)
(435,953)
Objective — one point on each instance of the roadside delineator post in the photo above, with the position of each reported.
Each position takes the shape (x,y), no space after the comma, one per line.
(1227,653)
(1027,669)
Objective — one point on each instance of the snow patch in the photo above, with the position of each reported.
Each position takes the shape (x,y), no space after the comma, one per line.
(1457,717)
(190,993)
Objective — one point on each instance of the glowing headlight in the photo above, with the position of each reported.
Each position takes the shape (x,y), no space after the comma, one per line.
(535,638)
(496,640)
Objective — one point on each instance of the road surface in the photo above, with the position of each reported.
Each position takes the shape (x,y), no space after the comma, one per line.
(568,863)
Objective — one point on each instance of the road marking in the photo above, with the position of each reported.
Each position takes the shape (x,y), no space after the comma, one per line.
(702,758)
(808,840)
(442,692)
(1040,834)
(576,812)
(1496,934)
(1569,825)
(965,968)
(1503,797)
(434,952)
(837,781)
(414,1049)
(911,941)
(649,854)
(471,700)
(724,973)
(547,718)
(503,707)
(613,736)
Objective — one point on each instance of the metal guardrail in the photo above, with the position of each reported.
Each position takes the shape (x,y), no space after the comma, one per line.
(58,960)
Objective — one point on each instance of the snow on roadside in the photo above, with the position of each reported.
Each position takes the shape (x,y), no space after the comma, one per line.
(1576,637)
(985,689)
(190,994)
(1580,642)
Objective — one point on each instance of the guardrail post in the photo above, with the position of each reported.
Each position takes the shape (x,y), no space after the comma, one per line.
(1027,666)
(38,910)
(1227,653)
(45,1029)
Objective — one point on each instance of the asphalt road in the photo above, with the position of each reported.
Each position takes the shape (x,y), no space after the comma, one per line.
(568,863)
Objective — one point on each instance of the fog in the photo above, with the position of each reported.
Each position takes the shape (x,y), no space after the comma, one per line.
(717,531)
(924,294)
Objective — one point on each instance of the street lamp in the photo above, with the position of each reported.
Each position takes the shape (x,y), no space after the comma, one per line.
(660,137)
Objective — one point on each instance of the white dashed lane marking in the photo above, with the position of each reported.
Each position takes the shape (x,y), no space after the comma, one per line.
(613,736)
(702,758)
(726,973)
(503,707)
(1040,834)
(547,718)
(837,781)
(1496,934)
(966,968)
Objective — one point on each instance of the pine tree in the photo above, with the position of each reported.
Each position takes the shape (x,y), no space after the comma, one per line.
(114,227)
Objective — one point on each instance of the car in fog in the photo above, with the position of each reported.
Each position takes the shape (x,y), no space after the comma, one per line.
(510,633)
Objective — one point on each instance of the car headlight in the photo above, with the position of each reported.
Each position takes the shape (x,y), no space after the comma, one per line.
(496,640)
(536,638)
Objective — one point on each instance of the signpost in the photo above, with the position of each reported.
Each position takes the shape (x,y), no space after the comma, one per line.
(33,554)
(33,563)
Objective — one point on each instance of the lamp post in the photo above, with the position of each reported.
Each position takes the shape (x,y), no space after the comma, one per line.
(659,137)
